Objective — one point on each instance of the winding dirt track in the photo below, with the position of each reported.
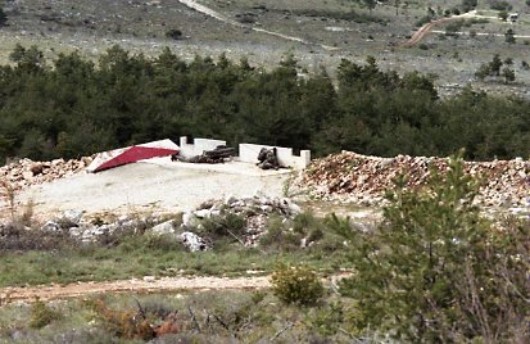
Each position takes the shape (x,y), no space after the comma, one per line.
(214,14)
(425,29)
(147,285)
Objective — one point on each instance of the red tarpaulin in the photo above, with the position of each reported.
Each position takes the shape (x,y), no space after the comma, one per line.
(127,155)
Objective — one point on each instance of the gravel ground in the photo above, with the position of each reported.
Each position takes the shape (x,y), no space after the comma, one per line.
(158,184)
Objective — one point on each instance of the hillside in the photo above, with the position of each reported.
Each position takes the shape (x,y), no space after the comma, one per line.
(325,32)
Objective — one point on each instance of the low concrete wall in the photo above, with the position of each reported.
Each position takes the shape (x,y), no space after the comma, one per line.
(198,146)
(249,153)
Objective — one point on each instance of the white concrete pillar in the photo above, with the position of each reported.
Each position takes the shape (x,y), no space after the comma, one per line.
(305,156)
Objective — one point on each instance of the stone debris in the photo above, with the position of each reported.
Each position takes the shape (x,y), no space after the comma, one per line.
(255,210)
(193,242)
(25,172)
(164,228)
(364,179)
(51,226)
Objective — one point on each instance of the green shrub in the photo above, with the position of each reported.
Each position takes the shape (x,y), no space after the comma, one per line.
(361,18)
(326,321)
(499,5)
(436,271)
(297,285)
(164,243)
(289,235)
(224,225)
(423,20)
(41,315)
(3,17)
(454,26)
(175,34)
(279,237)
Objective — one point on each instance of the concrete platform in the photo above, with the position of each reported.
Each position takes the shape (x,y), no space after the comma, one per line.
(155,184)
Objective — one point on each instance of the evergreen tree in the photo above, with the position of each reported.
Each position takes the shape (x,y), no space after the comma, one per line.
(416,277)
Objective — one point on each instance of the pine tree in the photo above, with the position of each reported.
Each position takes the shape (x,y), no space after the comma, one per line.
(413,275)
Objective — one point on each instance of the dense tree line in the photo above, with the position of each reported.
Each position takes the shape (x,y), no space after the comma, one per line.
(75,107)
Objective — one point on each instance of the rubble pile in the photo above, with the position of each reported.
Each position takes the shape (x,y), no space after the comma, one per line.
(88,230)
(363,179)
(255,211)
(26,172)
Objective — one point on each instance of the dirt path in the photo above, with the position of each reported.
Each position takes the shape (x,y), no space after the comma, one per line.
(214,14)
(427,28)
(146,285)
(424,30)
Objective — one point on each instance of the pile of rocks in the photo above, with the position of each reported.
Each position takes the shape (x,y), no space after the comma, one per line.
(364,179)
(26,172)
(88,230)
(255,210)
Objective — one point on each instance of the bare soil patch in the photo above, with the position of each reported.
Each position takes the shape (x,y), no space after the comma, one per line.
(146,285)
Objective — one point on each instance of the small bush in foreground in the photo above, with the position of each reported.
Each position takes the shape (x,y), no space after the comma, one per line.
(41,315)
(297,285)
(127,324)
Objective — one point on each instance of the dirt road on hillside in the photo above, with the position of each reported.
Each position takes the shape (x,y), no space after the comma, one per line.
(424,30)
(145,285)
(427,28)
(214,14)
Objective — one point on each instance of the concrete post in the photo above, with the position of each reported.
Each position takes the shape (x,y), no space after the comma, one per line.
(305,156)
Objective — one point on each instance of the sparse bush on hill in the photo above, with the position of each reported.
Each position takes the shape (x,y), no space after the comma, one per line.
(500,5)
(352,15)
(468,5)
(494,70)
(174,34)
(423,20)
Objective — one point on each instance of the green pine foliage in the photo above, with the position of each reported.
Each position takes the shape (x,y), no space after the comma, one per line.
(72,107)
(436,271)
